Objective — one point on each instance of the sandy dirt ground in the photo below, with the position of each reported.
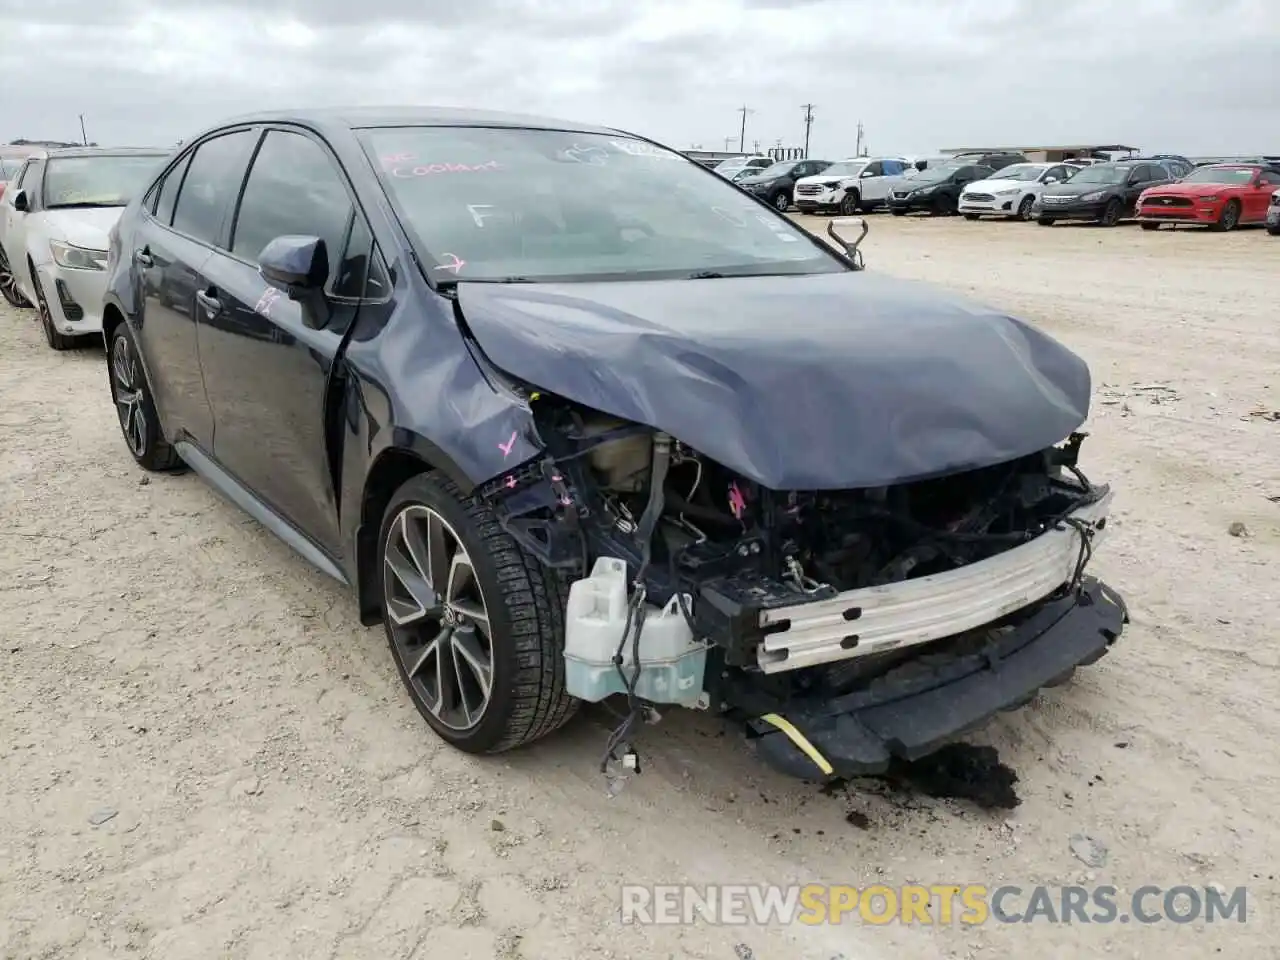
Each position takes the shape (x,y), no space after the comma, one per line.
(203,754)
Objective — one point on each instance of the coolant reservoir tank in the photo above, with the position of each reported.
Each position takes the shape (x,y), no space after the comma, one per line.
(672,662)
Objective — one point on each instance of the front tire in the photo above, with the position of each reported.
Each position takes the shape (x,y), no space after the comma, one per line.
(135,407)
(9,284)
(781,201)
(1111,213)
(850,203)
(56,340)
(1229,218)
(1024,207)
(1274,231)
(475,625)
(971,216)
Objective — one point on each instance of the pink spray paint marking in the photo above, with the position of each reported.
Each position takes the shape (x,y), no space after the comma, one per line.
(737,502)
(267,301)
(455,267)
(506,447)
(511,481)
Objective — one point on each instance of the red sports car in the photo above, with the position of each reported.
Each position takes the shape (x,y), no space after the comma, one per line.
(1220,196)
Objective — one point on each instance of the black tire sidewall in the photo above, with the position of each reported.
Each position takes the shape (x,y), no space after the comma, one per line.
(1024,207)
(850,200)
(152,456)
(426,490)
(780,201)
(1230,224)
(1106,219)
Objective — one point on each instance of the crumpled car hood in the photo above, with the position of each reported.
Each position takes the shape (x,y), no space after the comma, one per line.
(827,381)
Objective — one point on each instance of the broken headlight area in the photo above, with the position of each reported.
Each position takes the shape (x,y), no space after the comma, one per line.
(782,594)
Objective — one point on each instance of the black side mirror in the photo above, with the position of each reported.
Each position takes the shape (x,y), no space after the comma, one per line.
(20,201)
(300,267)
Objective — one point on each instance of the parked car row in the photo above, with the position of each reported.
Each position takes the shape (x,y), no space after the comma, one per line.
(1220,196)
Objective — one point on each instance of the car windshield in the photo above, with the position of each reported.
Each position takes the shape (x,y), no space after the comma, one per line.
(100,181)
(940,172)
(780,169)
(502,204)
(845,168)
(1100,173)
(1219,175)
(731,165)
(1019,171)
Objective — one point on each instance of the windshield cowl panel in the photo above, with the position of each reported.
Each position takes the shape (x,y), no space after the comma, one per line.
(528,205)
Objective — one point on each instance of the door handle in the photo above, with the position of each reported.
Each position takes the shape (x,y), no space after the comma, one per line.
(143,257)
(212,305)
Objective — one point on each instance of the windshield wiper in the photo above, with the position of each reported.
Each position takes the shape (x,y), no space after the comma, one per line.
(87,203)
(705,275)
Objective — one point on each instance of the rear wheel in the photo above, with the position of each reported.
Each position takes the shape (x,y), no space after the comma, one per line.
(135,408)
(59,341)
(1274,231)
(1230,216)
(475,625)
(9,284)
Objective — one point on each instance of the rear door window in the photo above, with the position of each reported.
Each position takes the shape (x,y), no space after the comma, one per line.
(294,189)
(167,195)
(212,180)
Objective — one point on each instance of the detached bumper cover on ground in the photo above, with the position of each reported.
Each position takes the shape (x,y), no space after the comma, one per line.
(910,714)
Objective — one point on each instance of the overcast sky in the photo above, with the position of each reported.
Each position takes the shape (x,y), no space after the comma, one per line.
(1184,76)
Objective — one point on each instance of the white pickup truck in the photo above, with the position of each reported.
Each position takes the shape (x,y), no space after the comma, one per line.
(861,183)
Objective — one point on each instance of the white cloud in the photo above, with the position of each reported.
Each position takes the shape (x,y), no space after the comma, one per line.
(1168,75)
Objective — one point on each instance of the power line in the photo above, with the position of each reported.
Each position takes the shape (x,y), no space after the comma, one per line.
(808,122)
(742,136)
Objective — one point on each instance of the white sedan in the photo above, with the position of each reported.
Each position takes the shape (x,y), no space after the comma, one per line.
(1012,191)
(55,216)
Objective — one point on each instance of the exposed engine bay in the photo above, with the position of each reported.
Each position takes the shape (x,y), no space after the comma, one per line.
(687,526)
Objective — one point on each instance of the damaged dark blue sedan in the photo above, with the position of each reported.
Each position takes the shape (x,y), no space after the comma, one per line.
(575,418)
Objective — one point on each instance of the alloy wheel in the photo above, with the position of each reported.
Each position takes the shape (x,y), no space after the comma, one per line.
(437,617)
(1024,208)
(848,204)
(9,284)
(1230,217)
(781,202)
(128,396)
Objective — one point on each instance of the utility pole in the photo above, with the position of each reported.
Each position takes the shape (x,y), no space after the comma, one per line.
(742,136)
(858,152)
(84,139)
(755,146)
(808,122)
(728,142)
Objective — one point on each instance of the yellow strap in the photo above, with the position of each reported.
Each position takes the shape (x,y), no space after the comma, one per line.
(800,740)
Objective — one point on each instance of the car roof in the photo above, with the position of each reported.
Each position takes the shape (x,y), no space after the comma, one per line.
(357,118)
(106,152)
